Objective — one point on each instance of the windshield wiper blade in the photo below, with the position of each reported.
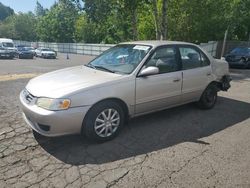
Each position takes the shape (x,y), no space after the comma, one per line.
(104,68)
(90,65)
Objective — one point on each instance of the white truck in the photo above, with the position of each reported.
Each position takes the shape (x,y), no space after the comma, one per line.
(7,48)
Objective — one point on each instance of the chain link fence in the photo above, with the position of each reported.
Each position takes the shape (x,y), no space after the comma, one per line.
(74,48)
(212,47)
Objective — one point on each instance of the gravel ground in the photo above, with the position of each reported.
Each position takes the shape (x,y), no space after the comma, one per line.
(180,147)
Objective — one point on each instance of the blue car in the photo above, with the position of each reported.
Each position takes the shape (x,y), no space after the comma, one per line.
(239,57)
(25,52)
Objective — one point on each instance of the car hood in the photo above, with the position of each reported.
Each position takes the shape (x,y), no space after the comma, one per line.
(67,81)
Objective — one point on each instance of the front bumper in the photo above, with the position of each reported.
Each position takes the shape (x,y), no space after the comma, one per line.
(53,123)
(52,56)
(7,55)
(29,56)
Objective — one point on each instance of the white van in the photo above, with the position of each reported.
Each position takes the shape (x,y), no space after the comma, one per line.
(7,48)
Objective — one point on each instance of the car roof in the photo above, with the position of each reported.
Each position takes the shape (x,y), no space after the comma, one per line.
(6,40)
(156,43)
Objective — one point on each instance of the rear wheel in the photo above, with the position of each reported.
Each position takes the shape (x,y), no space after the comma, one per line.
(209,97)
(104,121)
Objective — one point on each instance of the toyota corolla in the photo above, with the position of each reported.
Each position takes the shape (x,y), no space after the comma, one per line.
(128,80)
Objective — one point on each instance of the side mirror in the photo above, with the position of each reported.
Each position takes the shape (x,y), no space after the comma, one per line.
(149,71)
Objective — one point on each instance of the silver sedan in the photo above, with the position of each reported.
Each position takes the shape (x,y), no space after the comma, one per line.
(128,80)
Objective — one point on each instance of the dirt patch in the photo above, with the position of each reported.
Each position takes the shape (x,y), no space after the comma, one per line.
(9,77)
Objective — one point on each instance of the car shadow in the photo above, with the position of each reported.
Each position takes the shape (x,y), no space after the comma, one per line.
(150,133)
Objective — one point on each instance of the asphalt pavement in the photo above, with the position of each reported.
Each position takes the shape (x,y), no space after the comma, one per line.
(179,147)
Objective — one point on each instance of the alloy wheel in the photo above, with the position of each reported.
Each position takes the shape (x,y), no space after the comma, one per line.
(107,122)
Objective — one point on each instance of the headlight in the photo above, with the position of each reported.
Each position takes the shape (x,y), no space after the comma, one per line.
(3,51)
(53,104)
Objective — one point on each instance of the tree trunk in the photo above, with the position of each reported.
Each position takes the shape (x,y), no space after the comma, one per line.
(134,22)
(156,16)
(164,20)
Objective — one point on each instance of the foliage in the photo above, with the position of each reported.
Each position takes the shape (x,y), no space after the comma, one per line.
(19,26)
(5,11)
(113,21)
(58,24)
(39,10)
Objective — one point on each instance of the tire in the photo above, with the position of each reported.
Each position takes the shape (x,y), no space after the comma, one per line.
(244,60)
(37,135)
(99,128)
(209,97)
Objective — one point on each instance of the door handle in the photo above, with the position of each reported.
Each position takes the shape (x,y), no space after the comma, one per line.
(176,80)
(209,74)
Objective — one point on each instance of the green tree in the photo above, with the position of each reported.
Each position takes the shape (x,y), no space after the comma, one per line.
(20,26)
(24,26)
(58,25)
(7,29)
(5,11)
(240,25)
(39,10)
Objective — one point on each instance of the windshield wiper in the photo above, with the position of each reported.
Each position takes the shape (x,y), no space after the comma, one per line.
(99,67)
(104,68)
(90,65)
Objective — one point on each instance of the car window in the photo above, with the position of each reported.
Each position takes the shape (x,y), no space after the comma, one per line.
(8,44)
(121,59)
(165,59)
(204,60)
(192,58)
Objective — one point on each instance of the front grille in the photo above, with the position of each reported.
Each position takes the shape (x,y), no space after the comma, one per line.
(50,55)
(28,97)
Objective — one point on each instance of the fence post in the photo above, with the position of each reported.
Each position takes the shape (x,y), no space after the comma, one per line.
(224,44)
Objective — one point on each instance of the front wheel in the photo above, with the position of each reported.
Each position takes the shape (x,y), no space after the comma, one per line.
(209,97)
(104,121)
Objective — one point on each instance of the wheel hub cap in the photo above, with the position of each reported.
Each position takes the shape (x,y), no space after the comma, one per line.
(107,122)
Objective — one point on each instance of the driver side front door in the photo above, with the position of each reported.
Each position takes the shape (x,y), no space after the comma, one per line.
(160,91)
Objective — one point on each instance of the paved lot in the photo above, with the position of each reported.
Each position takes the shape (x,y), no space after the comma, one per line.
(181,147)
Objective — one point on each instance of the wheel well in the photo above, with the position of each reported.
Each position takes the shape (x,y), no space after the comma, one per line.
(217,84)
(244,59)
(119,101)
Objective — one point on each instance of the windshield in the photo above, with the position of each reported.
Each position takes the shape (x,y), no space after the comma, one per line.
(46,49)
(120,59)
(28,48)
(8,44)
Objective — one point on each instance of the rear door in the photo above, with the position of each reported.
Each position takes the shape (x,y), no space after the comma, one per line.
(197,72)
